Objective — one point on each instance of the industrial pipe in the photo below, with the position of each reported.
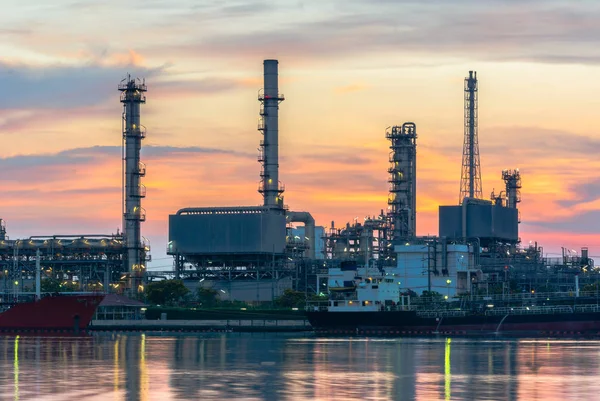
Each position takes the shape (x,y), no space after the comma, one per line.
(309,229)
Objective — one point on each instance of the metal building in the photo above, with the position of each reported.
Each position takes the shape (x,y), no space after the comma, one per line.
(477,218)
(227,234)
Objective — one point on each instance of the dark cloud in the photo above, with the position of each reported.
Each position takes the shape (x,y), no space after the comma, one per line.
(87,87)
(350,158)
(584,192)
(232,9)
(163,151)
(62,87)
(347,181)
(521,144)
(582,223)
(16,121)
(498,30)
(16,168)
(195,87)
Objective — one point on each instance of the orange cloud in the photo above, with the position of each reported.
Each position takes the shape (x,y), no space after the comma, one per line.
(350,88)
(130,58)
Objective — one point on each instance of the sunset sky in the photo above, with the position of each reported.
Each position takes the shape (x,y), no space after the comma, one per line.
(348,70)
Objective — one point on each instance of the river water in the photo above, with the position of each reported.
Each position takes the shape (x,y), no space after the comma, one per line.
(295,367)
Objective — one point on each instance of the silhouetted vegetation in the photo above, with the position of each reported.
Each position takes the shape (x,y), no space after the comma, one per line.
(291,299)
(166,292)
(52,284)
(207,297)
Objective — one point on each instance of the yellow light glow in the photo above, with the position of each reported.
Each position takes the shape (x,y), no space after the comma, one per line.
(447,372)
(16,369)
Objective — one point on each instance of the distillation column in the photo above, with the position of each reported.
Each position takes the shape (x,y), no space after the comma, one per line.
(269,99)
(403,181)
(132,97)
(470,178)
(512,181)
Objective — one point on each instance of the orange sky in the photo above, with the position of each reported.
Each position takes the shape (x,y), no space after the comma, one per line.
(348,70)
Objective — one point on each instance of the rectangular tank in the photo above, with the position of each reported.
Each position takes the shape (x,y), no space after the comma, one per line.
(481,220)
(227,231)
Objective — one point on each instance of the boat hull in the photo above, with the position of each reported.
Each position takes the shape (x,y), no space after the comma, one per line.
(408,322)
(59,312)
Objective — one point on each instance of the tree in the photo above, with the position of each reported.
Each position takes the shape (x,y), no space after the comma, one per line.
(207,297)
(52,284)
(290,299)
(166,292)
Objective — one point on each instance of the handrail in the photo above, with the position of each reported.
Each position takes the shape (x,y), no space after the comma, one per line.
(531,296)
(530,310)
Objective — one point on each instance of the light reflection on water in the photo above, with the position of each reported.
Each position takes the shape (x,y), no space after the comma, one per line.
(281,367)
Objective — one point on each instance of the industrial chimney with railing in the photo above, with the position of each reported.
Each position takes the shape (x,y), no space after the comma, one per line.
(133,96)
(269,99)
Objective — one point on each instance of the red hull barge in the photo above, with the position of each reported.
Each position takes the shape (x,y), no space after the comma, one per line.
(71,313)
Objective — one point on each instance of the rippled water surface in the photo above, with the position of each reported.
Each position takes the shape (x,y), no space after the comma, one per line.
(282,367)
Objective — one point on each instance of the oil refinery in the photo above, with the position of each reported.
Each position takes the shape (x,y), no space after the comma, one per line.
(253,253)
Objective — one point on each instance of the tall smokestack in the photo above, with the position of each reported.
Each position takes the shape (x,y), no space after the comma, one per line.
(269,146)
(132,97)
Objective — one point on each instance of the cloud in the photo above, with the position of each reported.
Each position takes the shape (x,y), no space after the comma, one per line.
(584,192)
(350,88)
(350,158)
(204,86)
(155,152)
(61,86)
(582,223)
(345,183)
(535,144)
(17,121)
(15,32)
(91,154)
(45,168)
(547,32)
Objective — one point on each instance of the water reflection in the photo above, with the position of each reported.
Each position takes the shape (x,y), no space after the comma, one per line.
(16,368)
(278,367)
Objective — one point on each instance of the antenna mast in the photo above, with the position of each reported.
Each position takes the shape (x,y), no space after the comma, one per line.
(470,179)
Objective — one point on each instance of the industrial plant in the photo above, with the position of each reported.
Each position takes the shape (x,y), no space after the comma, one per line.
(253,253)
(84,262)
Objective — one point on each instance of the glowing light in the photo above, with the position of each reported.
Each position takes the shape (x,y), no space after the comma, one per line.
(143,371)
(16,368)
(447,372)
(116,367)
